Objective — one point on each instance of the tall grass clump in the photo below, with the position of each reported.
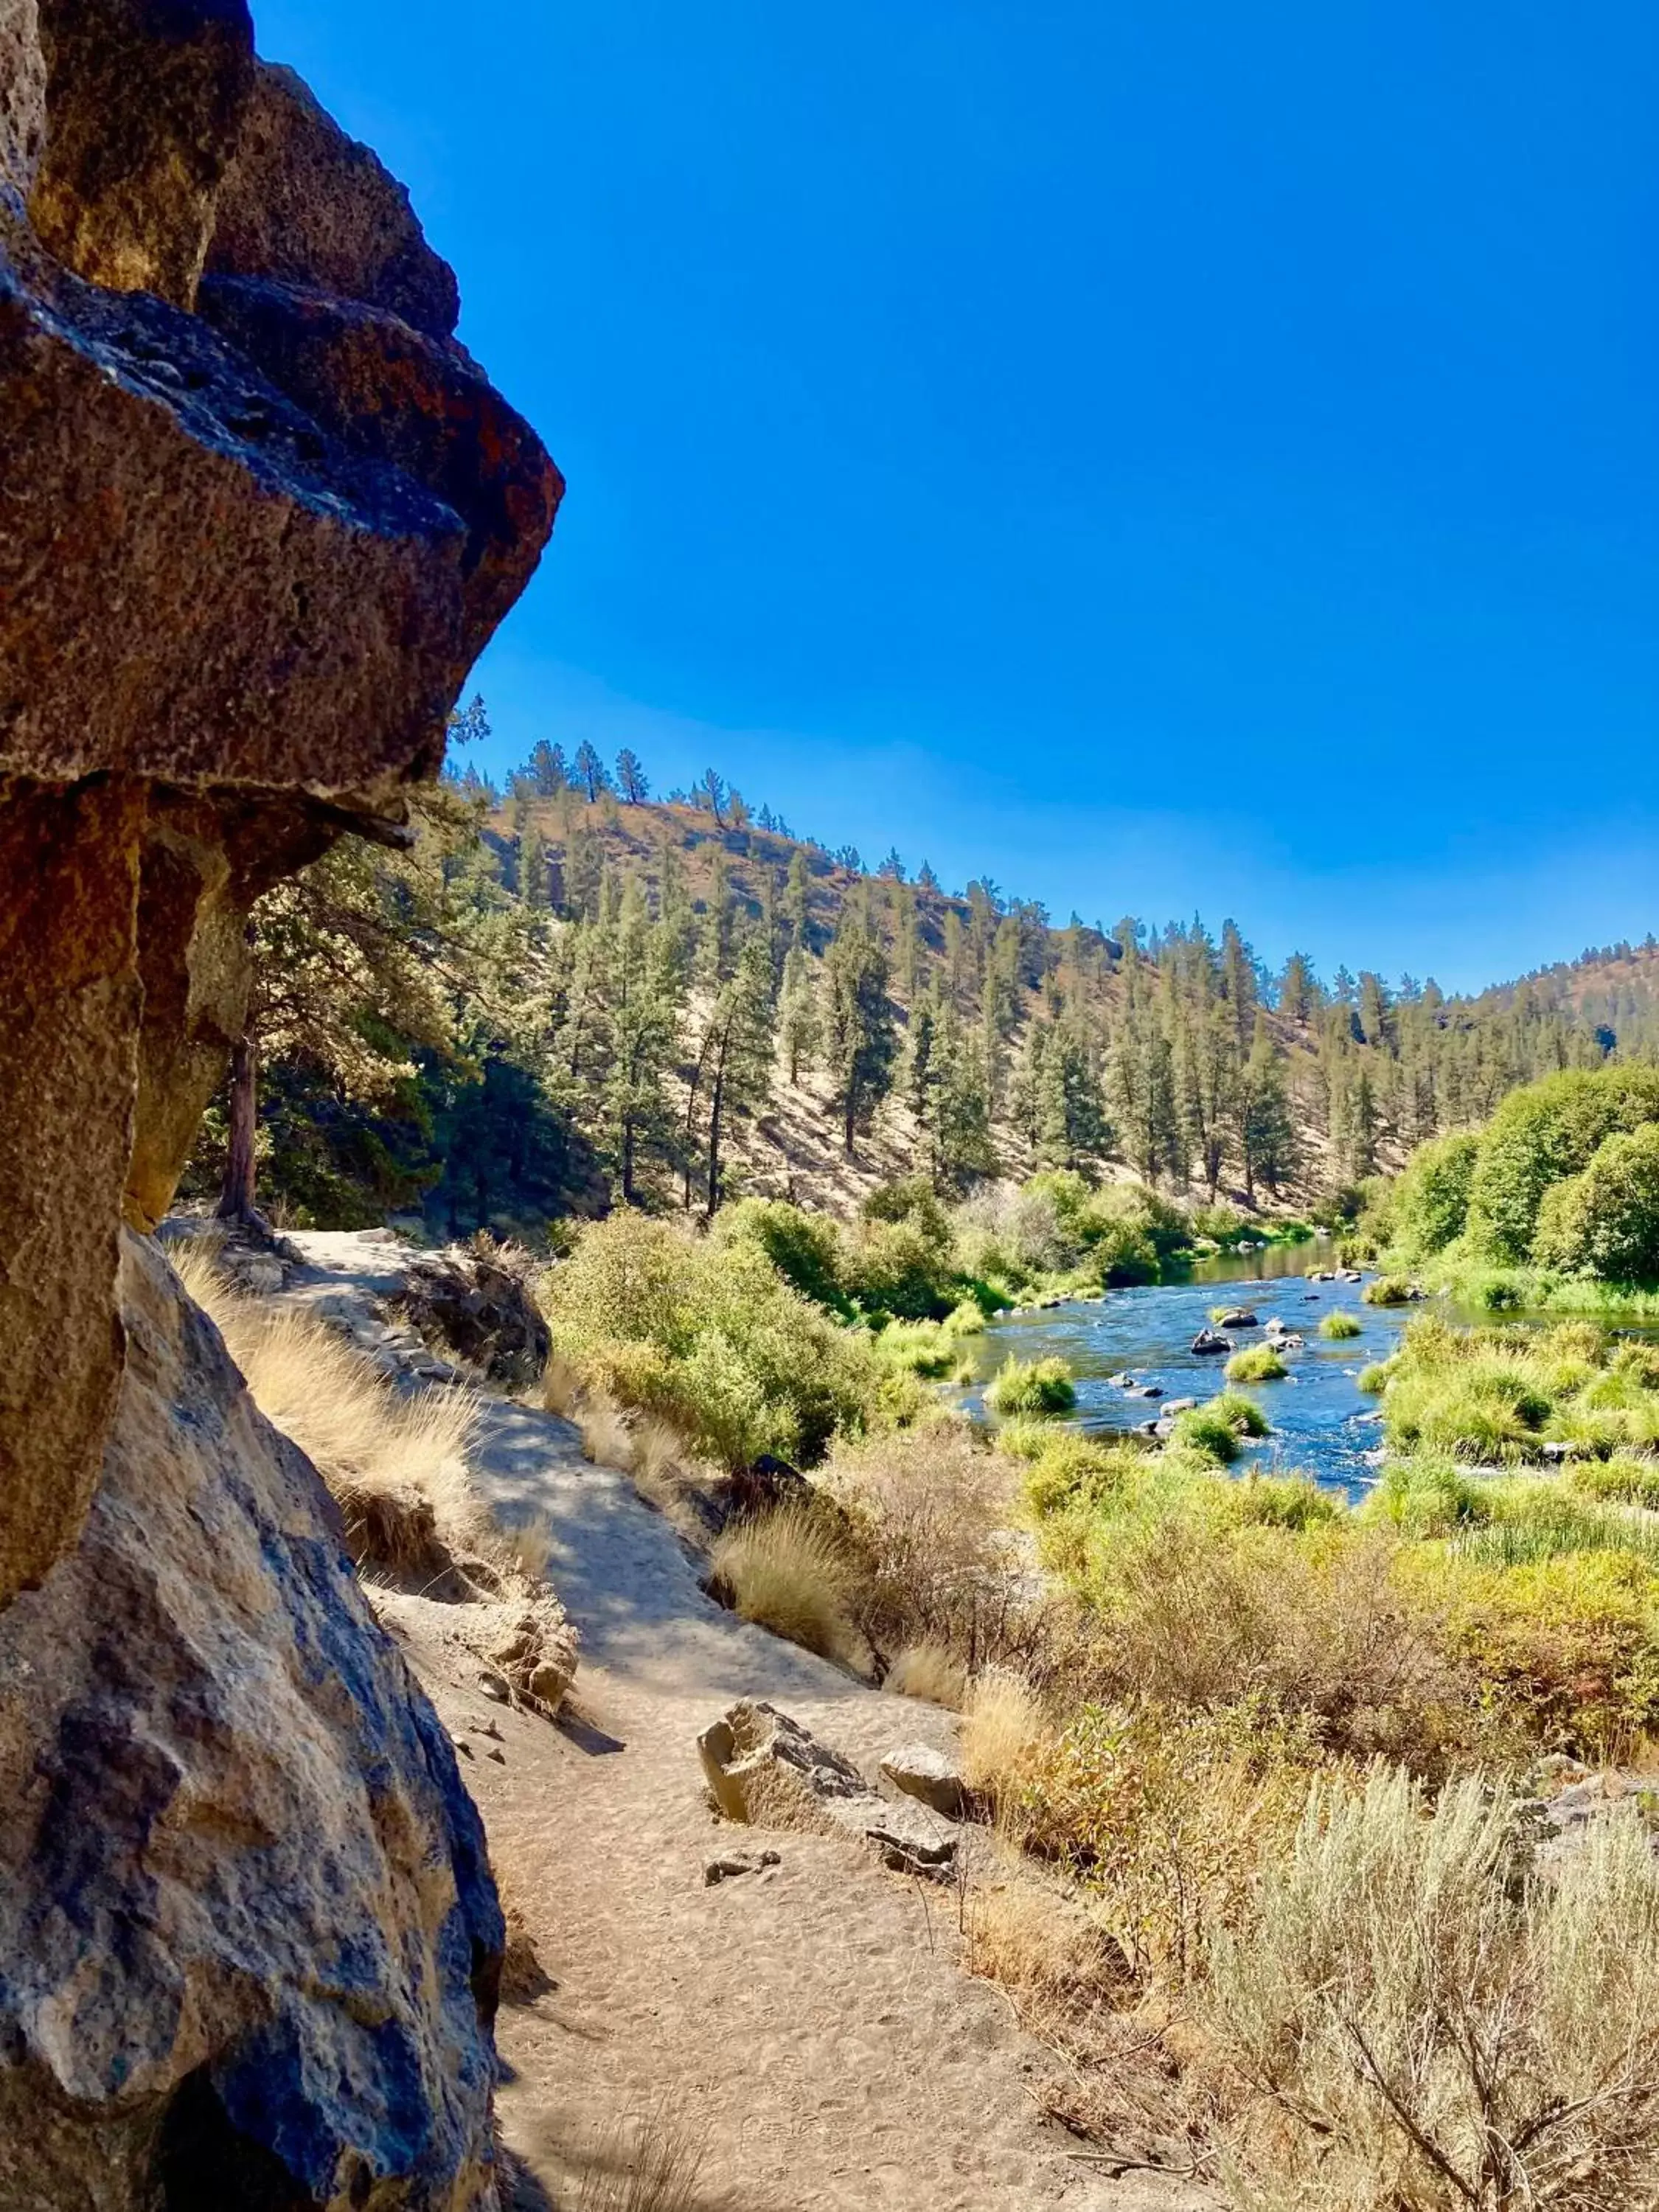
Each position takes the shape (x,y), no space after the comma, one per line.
(1260,1363)
(1031,1386)
(1340,1328)
(787,1570)
(1424,2023)
(396,1464)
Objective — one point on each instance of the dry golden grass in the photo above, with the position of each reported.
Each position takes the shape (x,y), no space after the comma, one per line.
(607,1435)
(1051,1959)
(529,1545)
(561,1386)
(651,2161)
(1002,1727)
(786,1572)
(929,1671)
(397,1465)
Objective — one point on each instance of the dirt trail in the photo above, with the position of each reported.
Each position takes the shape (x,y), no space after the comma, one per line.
(809,2022)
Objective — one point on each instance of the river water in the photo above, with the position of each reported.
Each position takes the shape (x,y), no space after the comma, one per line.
(1322,1425)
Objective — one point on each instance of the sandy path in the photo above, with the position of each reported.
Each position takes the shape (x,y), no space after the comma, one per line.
(810,2022)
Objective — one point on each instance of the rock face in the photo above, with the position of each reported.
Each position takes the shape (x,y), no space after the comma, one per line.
(247,1899)
(247,556)
(255,525)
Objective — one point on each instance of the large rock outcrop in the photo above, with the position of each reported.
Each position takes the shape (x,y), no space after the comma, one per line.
(258,512)
(247,1931)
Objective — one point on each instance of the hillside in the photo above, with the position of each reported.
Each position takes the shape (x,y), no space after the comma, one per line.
(559,1001)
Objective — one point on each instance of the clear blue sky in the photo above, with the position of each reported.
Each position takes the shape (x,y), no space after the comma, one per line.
(1159,455)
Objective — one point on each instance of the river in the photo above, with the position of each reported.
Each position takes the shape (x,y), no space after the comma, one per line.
(1322,1425)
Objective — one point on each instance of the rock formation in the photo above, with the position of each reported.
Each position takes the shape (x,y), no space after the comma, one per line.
(259,513)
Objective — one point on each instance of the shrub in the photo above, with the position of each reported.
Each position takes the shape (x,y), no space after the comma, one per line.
(1166,1819)
(1429,1203)
(1387,1290)
(1261,1363)
(804,1248)
(1284,1501)
(1031,1386)
(1070,1468)
(709,1337)
(787,1570)
(1426,2027)
(1340,1328)
(924,1528)
(1375,1379)
(1541,1134)
(1604,1221)
(1208,1432)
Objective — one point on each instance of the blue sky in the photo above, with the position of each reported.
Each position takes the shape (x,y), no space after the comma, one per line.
(1160,456)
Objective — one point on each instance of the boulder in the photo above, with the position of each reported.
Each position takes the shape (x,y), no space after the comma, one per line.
(1174,1406)
(248,1938)
(917,1771)
(1209,1343)
(763,1768)
(476,1300)
(1238,1317)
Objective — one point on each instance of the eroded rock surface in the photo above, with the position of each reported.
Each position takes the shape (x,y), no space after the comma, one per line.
(245,1893)
(254,528)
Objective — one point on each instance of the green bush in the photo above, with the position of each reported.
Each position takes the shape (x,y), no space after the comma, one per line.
(806,1248)
(1375,1379)
(1031,1386)
(1541,1135)
(1429,1204)
(1604,1221)
(709,1336)
(1387,1290)
(1340,1328)
(1261,1363)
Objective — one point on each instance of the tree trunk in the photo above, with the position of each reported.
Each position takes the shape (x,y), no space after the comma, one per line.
(852,1113)
(716,1101)
(236,1195)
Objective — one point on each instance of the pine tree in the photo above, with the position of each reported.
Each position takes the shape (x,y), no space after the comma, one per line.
(862,1039)
(631,780)
(1141,1081)
(546,768)
(589,771)
(1266,1137)
(800,1022)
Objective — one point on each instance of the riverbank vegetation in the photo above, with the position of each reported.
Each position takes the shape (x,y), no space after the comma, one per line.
(1552,1205)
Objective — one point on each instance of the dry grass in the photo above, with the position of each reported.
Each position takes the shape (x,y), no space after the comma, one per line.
(529,1546)
(786,1571)
(1053,1960)
(397,1465)
(930,1672)
(561,1386)
(607,1436)
(651,2161)
(1002,1725)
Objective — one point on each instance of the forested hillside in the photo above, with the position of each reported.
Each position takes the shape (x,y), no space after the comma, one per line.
(568,994)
